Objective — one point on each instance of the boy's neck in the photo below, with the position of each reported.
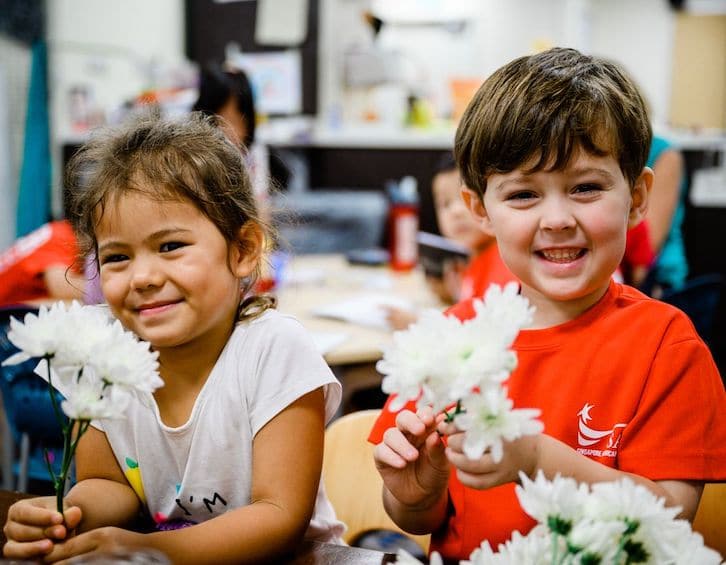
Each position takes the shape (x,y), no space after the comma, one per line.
(550,312)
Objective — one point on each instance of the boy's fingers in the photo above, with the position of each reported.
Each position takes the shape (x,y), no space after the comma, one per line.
(384,456)
(395,440)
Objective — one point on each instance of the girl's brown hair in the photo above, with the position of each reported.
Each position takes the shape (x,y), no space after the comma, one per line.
(546,107)
(167,159)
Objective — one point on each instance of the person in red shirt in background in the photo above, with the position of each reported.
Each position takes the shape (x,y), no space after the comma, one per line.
(639,256)
(553,148)
(461,280)
(40,265)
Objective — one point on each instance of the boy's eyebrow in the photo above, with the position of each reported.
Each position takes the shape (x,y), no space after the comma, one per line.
(523,178)
(151,237)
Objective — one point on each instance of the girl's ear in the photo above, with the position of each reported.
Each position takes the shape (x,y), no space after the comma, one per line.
(476,206)
(640,196)
(246,251)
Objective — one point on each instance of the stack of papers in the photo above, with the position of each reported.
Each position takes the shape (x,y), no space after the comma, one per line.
(363,309)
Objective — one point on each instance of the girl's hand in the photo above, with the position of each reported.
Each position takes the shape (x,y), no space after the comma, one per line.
(483,473)
(411,459)
(98,541)
(34,525)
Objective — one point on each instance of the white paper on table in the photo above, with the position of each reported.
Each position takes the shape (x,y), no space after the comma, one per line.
(364,309)
(327,341)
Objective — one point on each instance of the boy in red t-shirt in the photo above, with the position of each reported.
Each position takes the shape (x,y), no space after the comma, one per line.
(553,147)
(461,280)
(41,265)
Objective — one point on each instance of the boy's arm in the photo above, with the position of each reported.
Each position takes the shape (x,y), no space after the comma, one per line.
(286,465)
(532,454)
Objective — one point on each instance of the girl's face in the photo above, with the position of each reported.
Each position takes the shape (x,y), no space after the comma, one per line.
(167,272)
(454,218)
(562,233)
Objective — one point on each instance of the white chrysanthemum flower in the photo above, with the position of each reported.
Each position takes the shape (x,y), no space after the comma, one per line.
(562,498)
(533,549)
(39,334)
(688,549)
(90,399)
(489,420)
(596,538)
(504,312)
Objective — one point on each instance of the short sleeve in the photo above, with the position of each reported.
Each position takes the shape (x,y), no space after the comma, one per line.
(288,366)
(664,440)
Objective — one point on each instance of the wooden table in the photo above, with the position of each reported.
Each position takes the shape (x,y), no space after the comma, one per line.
(318,280)
(309,553)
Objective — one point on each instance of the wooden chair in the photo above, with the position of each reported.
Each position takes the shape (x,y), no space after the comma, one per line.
(710,520)
(352,483)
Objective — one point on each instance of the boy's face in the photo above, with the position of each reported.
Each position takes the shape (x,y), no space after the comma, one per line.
(562,233)
(454,218)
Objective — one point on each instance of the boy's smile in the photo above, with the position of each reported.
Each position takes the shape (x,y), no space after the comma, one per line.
(562,232)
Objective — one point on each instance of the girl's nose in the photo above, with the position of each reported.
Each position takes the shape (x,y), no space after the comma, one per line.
(146,274)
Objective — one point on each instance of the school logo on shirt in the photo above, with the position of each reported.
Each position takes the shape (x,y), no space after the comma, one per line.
(595,441)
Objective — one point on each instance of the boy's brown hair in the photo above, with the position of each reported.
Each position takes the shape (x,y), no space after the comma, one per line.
(547,106)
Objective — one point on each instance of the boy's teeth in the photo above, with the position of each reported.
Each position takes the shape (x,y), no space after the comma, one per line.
(561,254)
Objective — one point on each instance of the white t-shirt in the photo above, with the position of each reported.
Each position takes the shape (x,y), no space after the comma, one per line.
(203,468)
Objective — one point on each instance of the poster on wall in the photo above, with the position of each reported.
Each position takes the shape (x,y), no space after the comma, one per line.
(276,80)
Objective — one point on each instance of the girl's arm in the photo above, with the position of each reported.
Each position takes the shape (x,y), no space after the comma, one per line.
(101,492)
(287,460)
(664,196)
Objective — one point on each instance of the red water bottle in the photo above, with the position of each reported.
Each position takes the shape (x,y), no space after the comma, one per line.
(403,225)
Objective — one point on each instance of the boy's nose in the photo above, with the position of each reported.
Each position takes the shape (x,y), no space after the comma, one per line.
(556,216)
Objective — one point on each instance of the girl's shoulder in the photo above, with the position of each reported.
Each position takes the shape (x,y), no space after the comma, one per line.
(269,329)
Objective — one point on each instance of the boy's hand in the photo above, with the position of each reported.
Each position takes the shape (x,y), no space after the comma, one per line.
(483,473)
(34,525)
(411,459)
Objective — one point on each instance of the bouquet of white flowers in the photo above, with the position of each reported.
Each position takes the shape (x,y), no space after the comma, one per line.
(615,523)
(443,362)
(91,360)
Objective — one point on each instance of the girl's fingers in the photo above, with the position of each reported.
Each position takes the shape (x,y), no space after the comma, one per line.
(34,515)
(27,550)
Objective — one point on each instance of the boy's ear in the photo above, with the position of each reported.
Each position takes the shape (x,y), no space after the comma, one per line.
(640,196)
(246,251)
(476,206)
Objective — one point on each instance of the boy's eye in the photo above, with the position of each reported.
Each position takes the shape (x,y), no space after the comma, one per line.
(170,246)
(587,187)
(521,195)
(113,258)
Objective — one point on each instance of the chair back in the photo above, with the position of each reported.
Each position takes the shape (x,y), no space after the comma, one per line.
(351,480)
(710,520)
(699,299)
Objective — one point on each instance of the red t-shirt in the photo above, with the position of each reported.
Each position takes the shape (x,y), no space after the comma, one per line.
(630,366)
(22,266)
(484,269)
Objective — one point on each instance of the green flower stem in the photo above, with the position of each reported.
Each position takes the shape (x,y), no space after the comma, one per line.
(457,410)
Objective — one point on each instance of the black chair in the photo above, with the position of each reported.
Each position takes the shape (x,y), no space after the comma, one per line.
(699,299)
(31,426)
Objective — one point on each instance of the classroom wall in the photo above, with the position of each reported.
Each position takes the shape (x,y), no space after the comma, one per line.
(114,48)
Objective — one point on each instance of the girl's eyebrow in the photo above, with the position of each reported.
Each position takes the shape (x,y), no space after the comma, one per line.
(160,234)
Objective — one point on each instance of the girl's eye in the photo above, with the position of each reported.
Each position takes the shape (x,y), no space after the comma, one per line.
(170,246)
(114,258)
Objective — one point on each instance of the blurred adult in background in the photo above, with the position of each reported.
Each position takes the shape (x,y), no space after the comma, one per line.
(227,93)
(666,210)
(41,265)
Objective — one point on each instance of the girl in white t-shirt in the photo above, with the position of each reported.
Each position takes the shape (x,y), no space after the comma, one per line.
(230,448)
